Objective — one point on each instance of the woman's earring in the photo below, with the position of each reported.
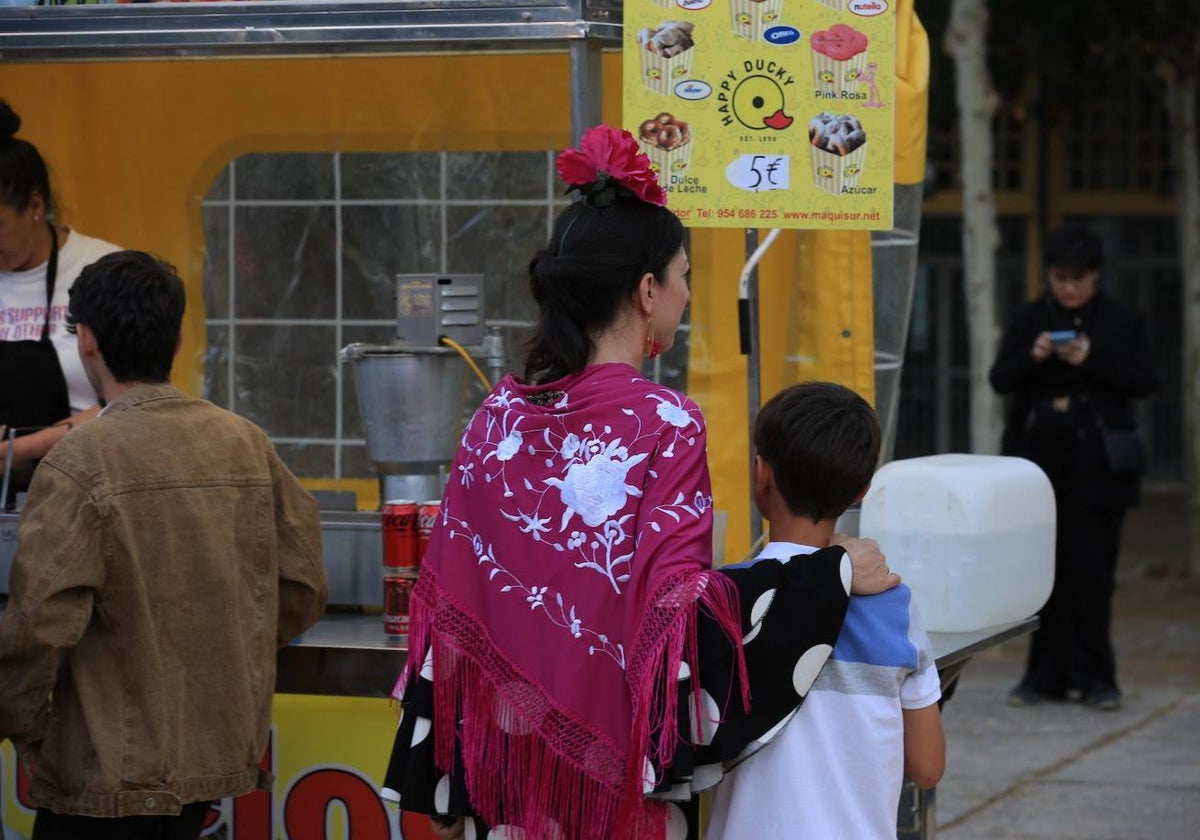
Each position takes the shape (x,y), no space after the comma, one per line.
(652,348)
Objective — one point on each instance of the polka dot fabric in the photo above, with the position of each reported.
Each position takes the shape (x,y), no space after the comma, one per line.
(791,613)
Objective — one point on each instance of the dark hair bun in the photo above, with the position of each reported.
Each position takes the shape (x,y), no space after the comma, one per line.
(10,123)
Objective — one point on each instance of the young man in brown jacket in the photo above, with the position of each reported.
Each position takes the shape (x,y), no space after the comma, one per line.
(164,554)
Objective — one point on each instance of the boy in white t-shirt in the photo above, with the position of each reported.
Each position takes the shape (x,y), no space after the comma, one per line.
(835,768)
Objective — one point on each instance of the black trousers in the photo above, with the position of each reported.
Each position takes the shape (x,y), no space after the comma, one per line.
(185,826)
(1072,648)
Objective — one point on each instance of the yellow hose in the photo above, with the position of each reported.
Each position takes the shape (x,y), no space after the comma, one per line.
(458,348)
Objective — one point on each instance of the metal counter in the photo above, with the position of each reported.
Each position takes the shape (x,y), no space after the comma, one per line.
(349,654)
(952,651)
(343,654)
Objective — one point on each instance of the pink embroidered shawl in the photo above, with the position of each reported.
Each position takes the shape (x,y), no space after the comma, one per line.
(559,597)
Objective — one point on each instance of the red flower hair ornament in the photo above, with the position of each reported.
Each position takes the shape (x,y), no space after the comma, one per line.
(607,160)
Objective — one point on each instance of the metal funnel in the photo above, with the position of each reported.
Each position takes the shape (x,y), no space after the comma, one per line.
(412,402)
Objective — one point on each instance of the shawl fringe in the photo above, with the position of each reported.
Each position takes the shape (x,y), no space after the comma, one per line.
(526,762)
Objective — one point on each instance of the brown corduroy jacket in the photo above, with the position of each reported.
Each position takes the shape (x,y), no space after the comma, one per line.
(164,554)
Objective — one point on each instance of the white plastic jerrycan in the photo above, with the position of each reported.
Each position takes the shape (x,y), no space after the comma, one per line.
(971,535)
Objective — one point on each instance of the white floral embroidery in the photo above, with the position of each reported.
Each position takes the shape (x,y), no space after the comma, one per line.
(510,446)
(466,469)
(596,489)
(536,596)
(593,473)
(672,410)
(570,445)
(503,398)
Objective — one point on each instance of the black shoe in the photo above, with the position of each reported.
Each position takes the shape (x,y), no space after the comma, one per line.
(1103,700)
(1023,696)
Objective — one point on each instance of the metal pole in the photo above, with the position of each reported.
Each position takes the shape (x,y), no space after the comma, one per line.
(754,382)
(585,86)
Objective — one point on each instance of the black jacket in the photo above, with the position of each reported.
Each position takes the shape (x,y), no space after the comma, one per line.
(1101,391)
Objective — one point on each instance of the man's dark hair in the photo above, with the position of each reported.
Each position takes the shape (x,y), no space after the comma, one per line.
(133,303)
(1073,248)
(821,440)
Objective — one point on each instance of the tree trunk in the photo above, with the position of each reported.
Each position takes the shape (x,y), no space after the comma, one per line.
(1181,94)
(966,42)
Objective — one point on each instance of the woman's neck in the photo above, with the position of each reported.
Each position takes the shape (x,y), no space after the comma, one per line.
(624,343)
(40,254)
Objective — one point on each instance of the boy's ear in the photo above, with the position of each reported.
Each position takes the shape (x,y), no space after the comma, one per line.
(863,494)
(762,474)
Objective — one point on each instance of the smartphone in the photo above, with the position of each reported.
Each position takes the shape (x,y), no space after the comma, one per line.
(1062,336)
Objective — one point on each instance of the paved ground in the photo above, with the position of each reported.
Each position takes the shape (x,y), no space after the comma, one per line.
(1065,772)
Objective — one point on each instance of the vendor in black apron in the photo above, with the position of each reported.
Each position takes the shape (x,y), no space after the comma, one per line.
(36,393)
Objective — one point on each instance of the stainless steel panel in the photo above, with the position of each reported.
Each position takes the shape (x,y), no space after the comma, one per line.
(352,545)
(424,303)
(347,655)
(293,28)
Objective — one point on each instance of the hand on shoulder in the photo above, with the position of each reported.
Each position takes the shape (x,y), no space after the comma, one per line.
(870,570)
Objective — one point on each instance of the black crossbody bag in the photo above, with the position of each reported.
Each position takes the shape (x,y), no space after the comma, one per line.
(1124,449)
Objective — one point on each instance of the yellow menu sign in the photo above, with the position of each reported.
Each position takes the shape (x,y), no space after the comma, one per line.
(765,113)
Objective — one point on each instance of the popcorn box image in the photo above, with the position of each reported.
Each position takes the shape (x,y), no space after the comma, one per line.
(839,56)
(751,18)
(832,171)
(667,52)
(668,162)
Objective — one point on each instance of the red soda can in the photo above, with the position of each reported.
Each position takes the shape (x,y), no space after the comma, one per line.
(427,515)
(400,536)
(396,592)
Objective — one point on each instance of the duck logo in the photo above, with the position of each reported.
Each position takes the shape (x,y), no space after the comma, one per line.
(756,99)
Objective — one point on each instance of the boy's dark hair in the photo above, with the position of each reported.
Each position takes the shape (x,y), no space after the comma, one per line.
(1073,248)
(821,440)
(133,303)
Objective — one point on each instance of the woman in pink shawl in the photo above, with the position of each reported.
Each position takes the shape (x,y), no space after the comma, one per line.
(577,670)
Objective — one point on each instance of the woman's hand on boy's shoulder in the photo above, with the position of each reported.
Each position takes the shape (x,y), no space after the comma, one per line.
(870,570)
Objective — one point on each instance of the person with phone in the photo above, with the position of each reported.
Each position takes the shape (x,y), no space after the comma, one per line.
(1072,362)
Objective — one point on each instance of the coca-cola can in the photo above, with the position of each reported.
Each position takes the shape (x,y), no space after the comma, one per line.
(400,536)
(427,515)
(396,593)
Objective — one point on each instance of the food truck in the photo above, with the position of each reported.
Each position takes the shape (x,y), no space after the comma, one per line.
(309,164)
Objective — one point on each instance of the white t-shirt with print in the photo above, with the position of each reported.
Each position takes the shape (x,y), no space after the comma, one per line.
(23,309)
